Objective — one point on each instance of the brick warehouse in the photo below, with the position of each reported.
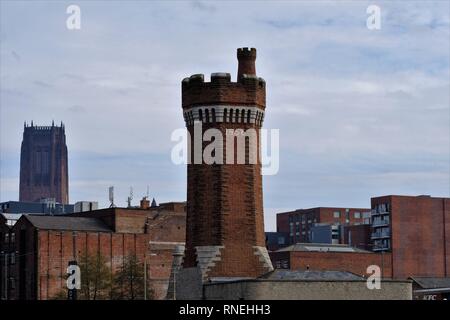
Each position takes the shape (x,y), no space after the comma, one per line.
(322,257)
(225,225)
(45,244)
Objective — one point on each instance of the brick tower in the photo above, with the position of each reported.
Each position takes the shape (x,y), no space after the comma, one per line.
(225,226)
(43,164)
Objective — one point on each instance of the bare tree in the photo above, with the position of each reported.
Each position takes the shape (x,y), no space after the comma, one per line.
(129,280)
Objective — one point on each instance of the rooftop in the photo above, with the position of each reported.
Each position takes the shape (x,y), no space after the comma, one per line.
(330,275)
(322,247)
(431,283)
(67,223)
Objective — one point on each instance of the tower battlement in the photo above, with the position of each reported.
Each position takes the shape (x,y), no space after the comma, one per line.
(246,52)
(32,127)
(251,90)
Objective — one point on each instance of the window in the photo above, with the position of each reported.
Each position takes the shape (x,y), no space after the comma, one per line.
(225,115)
(12,283)
(207,115)
(336,214)
(13,237)
(200,115)
(12,259)
(357,215)
(213,114)
(6,237)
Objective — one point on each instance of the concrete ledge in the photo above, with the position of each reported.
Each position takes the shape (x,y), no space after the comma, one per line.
(307,290)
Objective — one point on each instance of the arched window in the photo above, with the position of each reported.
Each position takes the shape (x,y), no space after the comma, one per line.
(237,116)
(231,115)
(207,115)
(200,115)
(213,115)
(225,115)
(248,116)
(242,115)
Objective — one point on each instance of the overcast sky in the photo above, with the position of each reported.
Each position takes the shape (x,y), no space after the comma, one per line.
(361,112)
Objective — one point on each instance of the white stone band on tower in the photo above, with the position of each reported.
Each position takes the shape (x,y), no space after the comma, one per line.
(224,114)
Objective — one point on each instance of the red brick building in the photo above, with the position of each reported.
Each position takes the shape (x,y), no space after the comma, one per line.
(225,226)
(336,257)
(298,223)
(415,231)
(408,235)
(358,236)
(45,244)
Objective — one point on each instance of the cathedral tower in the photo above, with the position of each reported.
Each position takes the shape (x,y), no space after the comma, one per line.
(43,164)
(225,225)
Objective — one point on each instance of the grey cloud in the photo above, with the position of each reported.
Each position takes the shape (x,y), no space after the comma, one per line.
(15,55)
(202,6)
(42,84)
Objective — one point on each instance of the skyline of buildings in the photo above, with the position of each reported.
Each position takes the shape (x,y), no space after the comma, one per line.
(362,138)
(358,119)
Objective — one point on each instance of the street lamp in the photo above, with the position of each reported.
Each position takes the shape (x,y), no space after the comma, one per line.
(145,274)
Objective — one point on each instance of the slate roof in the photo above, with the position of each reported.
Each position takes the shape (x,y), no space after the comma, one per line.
(68,223)
(321,247)
(431,283)
(279,274)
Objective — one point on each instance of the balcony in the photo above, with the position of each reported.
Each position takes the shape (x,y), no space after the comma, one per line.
(384,248)
(380,235)
(380,222)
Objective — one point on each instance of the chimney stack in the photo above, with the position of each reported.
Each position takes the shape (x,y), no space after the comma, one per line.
(145,204)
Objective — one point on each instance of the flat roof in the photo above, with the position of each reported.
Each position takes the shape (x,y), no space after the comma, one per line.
(322,247)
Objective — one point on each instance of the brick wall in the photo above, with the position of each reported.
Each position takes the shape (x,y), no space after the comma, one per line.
(355,262)
(420,231)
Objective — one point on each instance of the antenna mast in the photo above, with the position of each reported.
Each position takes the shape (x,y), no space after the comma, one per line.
(130,197)
(111,197)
